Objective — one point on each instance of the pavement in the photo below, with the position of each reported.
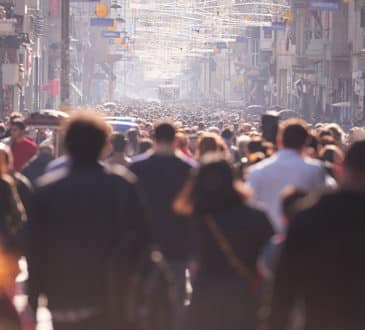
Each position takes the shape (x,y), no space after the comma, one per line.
(44,319)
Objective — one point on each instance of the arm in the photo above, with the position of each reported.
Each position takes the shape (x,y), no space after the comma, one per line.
(35,234)
(287,279)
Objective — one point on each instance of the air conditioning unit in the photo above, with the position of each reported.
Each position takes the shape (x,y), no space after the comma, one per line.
(7,27)
(10,73)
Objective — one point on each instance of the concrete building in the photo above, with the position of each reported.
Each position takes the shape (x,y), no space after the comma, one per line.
(16,33)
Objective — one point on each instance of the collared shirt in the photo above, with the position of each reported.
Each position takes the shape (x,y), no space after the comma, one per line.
(287,168)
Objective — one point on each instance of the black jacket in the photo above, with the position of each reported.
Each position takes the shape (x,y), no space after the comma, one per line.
(37,167)
(162,178)
(78,218)
(322,264)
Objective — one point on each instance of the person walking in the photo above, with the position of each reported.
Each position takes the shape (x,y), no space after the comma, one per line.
(36,167)
(288,167)
(120,145)
(231,235)
(80,215)
(162,175)
(321,261)
(22,148)
(12,219)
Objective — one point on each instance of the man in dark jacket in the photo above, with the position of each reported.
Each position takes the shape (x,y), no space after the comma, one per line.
(322,262)
(79,216)
(162,175)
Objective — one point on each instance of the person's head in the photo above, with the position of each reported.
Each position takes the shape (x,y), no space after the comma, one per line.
(132,135)
(312,148)
(46,148)
(182,140)
(211,189)
(17,129)
(294,134)
(228,135)
(213,129)
(164,133)
(14,116)
(356,134)
(353,176)
(255,145)
(86,135)
(333,158)
(242,145)
(326,140)
(325,132)
(290,197)
(337,133)
(201,126)
(119,143)
(331,154)
(209,143)
(145,145)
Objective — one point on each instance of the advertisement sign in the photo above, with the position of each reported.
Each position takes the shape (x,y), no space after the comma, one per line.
(278,26)
(96,21)
(110,34)
(324,5)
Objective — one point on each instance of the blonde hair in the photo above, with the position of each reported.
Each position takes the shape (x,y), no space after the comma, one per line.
(210,142)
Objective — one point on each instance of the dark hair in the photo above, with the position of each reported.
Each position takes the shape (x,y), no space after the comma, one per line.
(227,134)
(325,132)
(211,189)
(2,129)
(15,115)
(85,136)
(132,134)
(327,140)
(255,145)
(119,142)
(145,145)
(165,132)
(210,142)
(313,142)
(355,158)
(18,122)
(289,201)
(295,134)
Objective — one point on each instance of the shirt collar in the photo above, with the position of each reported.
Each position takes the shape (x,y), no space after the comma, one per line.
(286,152)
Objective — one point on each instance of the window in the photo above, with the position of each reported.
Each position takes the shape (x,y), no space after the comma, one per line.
(267,33)
(255,52)
(362,17)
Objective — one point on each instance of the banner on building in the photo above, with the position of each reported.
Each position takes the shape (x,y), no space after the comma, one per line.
(110,34)
(96,21)
(324,5)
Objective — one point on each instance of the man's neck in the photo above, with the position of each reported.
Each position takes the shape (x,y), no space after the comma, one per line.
(164,149)
(19,139)
(291,150)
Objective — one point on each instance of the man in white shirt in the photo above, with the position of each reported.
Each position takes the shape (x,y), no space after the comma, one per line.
(288,167)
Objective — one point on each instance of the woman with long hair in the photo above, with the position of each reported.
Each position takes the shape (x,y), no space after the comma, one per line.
(211,143)
(231,235)
(12,217)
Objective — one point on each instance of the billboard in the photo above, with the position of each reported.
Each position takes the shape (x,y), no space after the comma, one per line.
(324,5)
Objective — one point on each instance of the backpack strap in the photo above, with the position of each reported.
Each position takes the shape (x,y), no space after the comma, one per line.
(226,248)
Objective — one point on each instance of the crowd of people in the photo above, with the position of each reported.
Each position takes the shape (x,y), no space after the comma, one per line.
(193,220)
